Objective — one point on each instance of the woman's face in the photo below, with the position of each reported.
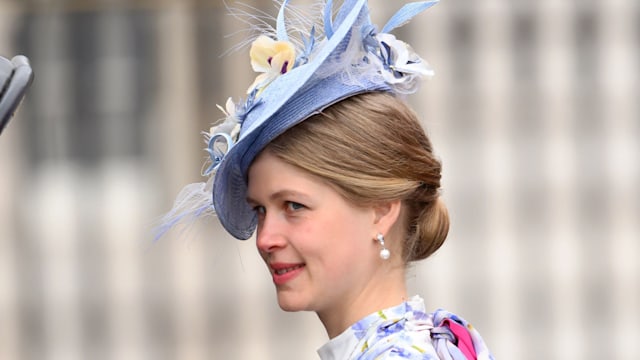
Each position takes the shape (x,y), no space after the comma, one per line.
(319,248)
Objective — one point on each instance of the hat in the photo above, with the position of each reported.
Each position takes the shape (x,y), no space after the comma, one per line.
(299,78)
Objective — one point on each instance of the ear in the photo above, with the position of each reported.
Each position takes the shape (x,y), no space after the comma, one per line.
(386,215)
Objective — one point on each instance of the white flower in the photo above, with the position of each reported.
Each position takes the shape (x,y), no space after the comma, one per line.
(231,125)
(402,68)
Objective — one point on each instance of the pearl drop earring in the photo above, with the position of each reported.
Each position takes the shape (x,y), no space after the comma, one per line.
(384,253)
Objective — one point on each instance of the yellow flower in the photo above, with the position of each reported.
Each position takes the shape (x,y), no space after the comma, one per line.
(272,58)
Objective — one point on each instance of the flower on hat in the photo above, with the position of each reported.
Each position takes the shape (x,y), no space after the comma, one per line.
(222,137)
(272,58)
(402,68)
(231,124)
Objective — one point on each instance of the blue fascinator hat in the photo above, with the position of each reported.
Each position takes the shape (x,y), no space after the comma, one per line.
(345,56)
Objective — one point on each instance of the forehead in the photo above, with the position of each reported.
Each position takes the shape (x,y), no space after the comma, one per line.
(268,173)
(269,176)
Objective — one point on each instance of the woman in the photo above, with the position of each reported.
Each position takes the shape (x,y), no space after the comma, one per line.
(338,180)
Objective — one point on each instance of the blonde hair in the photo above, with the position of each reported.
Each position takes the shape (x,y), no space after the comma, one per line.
(372,148)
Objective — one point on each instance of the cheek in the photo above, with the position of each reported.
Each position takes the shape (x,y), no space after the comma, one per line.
(345,237)
(312,239)
(335,236)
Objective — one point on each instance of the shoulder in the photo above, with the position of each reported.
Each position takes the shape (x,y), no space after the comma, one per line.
(427,336)
(456,337)
(411,352)
(409,332)
(405,337)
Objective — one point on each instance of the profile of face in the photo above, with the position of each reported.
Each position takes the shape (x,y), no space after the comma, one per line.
(319,248)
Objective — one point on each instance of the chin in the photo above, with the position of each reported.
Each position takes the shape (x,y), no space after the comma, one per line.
(290,308)
(290,303)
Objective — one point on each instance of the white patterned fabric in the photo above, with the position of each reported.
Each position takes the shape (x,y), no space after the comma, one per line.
(406,331)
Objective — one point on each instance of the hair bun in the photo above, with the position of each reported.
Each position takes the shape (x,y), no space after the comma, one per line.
(432,228)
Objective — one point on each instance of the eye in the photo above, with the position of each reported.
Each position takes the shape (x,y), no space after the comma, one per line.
(260,210)
(294,206)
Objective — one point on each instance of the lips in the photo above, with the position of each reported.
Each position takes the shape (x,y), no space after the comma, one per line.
(284,272)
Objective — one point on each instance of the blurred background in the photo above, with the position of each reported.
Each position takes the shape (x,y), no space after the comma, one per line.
(534,111)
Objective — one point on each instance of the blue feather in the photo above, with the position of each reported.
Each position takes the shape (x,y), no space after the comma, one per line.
(406,13)
(281,28)
(328,22)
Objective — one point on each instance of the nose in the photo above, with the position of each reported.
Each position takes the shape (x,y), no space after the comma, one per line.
(269,235)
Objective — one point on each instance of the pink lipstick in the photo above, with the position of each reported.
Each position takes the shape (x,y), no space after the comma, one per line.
(284,272)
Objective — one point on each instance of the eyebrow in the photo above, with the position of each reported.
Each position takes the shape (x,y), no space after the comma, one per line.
(278,195)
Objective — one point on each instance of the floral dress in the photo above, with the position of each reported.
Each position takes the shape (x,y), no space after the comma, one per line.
(408,332)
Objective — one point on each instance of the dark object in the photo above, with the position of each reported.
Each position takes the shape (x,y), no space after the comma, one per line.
(15,78)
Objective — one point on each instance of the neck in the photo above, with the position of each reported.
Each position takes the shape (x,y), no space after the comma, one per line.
(386,289)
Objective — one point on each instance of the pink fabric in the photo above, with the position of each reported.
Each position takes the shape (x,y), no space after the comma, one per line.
(465,343)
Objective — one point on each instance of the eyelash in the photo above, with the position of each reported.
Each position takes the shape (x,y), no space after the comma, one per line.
(259,209)
(289,205)
(294,206)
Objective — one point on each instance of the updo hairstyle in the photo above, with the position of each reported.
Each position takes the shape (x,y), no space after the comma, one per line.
(372,148)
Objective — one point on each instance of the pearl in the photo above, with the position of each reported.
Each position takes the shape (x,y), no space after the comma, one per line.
(385,254)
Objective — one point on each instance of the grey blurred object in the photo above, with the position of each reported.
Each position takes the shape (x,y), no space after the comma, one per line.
(15,77)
